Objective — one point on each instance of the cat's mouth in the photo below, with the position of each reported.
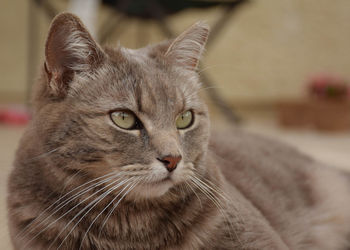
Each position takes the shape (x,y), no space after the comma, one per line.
(154,188)
(165,179)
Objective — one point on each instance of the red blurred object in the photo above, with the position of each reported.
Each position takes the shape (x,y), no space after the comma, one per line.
(14,116)
(329,86)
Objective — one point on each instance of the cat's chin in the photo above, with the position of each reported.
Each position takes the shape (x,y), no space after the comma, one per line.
(152,190)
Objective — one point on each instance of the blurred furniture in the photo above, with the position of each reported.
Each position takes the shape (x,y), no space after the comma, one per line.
(156,10)
(327,106)
(327,115)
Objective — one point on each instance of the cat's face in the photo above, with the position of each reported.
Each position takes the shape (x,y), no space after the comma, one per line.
(135,113)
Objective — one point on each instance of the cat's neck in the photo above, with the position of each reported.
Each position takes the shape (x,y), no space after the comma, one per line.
(174,219)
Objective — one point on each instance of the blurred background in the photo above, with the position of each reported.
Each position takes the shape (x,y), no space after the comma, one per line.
(280,68)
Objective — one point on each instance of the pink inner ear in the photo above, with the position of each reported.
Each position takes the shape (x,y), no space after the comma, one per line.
(48,73)
(193,62)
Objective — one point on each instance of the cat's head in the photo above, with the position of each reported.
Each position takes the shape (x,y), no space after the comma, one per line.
(135,113)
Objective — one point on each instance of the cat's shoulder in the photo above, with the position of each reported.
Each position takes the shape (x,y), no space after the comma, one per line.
(291,190)
(238,143)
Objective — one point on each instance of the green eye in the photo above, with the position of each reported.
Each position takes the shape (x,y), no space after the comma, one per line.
(124,119)
(184,120)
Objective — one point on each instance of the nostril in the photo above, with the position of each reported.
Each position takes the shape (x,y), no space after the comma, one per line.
(170,162)
(165,162)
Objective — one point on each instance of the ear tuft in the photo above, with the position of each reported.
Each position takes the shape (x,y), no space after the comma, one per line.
(69,49)
(188,47)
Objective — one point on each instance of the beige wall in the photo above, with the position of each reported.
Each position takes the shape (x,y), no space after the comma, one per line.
(265,53)
(13,17)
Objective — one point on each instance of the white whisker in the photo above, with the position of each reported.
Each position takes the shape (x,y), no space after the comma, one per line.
(195,193)
(91,205)
(212,188)
(69,181)
(115,206)
(44,154)
(211,196)
(23,231)
(102,213)
(221,193)
(189,96)
(67,212)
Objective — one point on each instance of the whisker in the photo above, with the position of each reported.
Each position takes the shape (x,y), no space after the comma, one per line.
(102,213)
(44,154)
(195,193)
(115,206)
(211,188)
(23,231)
(220,192)
(182,191)
(217,203)
(67,212)
(67,201)
(207,193)
(69,181)
(227,66)
(92,204)
(213,66)
(199,91)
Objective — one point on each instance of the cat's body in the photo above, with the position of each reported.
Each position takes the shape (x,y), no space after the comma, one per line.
(240,192)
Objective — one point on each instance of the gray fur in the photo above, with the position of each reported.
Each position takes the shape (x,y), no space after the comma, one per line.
(230,190)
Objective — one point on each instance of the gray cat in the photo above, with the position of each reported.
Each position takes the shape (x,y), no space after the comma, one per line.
(119,156)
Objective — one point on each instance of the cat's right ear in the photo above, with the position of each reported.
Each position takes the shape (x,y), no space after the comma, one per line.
(69,50)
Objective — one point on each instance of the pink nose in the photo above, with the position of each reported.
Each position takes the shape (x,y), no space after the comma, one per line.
(170,162)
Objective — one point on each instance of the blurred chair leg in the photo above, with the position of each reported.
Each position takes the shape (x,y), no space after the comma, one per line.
(217,100)
(227,12)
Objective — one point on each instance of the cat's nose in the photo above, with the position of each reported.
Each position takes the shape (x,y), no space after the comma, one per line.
(170,162)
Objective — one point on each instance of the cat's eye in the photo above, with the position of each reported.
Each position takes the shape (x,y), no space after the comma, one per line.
(125,119)
(184,120)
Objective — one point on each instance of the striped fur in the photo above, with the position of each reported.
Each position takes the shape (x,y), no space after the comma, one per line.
(80,182)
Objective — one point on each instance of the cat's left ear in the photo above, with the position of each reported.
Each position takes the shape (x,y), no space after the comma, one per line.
(187,48)
(69,50)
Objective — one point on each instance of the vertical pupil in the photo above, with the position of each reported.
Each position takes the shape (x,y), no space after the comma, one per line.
(123,116)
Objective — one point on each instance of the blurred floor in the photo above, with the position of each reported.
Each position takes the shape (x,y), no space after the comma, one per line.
(8,144)
(329,148)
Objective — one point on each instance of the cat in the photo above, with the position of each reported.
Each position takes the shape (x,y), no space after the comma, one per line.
(119,155)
